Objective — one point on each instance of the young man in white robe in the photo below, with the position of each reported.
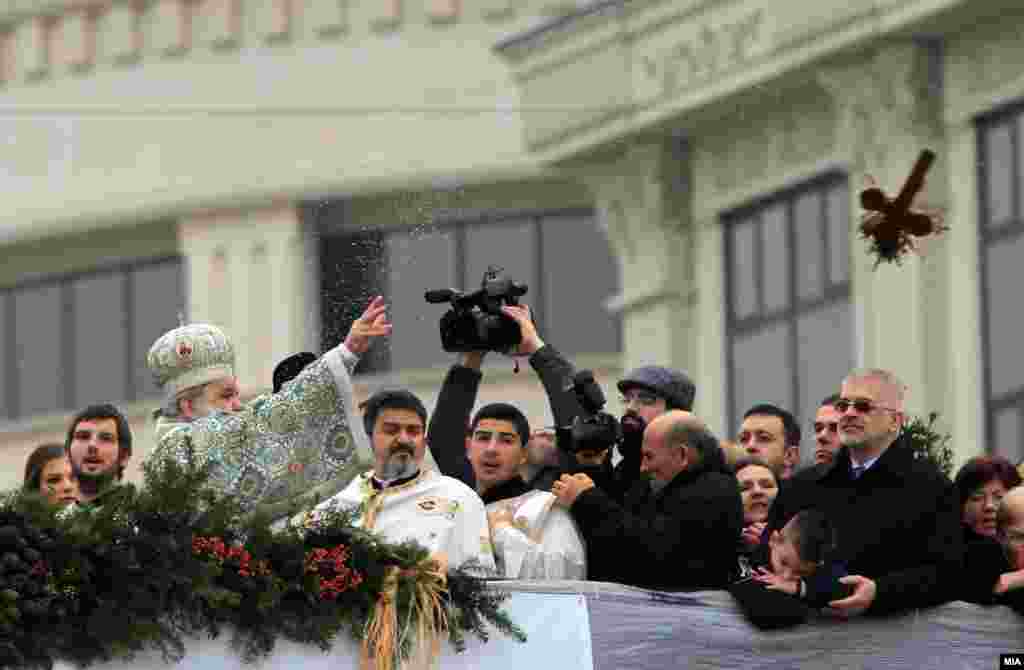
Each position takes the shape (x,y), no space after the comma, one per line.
(401,499)
(533,538)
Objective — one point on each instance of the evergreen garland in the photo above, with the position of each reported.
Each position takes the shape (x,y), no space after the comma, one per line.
(929,444)
(149,569)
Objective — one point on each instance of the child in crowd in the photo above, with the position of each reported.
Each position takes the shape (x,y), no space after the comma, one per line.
(803,560)
(803,574)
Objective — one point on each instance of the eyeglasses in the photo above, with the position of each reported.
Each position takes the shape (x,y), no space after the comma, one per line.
(643,397)
(862,405)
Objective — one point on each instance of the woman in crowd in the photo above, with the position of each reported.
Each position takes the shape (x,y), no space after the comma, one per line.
(981,484)
(48,471)
(758,488)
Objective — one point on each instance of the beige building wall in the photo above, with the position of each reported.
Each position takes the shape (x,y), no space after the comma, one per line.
(660,151)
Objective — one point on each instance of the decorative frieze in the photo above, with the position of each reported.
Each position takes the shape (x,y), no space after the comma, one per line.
(74,41)
(169,24)
(56,37)
(387,15)
(218,23)
(120,34)
(443,11)
(701,53)
(328,18)
(32,47)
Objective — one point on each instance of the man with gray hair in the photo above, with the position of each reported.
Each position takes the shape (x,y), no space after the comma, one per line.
(277,450)
(897,516)
(1009,589)
(681,527)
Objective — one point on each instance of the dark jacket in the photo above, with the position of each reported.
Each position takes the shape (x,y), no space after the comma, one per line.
(683,537)
(984,562)
(449,423)
(899,524)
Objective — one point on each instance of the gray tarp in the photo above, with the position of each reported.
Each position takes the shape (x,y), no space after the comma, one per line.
(594,626)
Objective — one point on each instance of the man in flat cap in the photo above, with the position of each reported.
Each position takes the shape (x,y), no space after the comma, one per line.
(302,443)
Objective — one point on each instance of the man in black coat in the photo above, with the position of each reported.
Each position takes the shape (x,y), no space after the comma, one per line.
(679,529)
(896,515)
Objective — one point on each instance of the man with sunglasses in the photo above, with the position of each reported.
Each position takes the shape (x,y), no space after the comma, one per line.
(896,515)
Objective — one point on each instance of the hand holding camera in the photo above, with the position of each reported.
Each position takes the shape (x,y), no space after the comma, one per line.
(476,321)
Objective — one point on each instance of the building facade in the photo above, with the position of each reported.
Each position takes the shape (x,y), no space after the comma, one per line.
(675,181)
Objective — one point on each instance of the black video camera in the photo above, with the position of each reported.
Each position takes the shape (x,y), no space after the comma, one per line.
(593,430)
(475,322)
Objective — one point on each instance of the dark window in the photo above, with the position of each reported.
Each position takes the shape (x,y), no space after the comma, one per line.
(73,340)
(788,311)
(1002,275)
(352,272)
(542,250)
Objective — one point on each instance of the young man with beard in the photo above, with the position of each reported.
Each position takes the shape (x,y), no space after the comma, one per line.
(99,443)
(896,515)
(532,538)
(278,450)
(401,500)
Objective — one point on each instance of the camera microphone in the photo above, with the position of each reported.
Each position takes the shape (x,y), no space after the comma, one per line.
(440,295)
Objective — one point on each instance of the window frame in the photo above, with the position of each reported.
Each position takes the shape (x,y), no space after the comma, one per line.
(750,213)
(65,282)
(458,224)
(988,238)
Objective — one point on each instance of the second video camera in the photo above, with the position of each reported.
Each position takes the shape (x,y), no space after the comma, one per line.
(593,430)
(475,322)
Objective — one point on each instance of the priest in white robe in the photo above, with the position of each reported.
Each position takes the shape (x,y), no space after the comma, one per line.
(400,499)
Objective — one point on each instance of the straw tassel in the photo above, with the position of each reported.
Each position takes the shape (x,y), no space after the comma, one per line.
(382,633)
(383,636)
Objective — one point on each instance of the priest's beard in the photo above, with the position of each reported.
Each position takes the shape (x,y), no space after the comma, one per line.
(400,463)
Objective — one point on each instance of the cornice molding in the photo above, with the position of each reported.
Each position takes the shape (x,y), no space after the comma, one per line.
(49,39)
(677,58)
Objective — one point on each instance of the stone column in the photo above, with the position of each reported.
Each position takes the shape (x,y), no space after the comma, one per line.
(641,198)
(888,106)
(245,274)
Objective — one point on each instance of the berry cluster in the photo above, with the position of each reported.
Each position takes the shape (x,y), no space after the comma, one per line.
(214,548)
(334,577)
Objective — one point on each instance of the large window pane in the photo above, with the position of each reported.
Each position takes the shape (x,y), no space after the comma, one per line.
(838,234)
(1006,439)
(825,355)
(352,272)
(999,174)
(38,349)
(576,320)
(417,264)
(810,245)
(157,296)
(1005,276)
(743,270)
(762,369)
(775,236)
(100,351)
(511,246)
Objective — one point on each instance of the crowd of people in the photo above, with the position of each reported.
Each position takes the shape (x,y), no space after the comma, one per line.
(868,527)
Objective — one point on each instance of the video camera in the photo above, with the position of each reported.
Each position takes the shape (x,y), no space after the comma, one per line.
(475,322)
(593,430)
